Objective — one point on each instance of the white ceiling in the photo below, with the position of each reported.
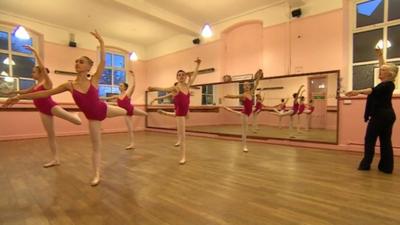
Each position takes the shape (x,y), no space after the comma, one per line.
(143,22)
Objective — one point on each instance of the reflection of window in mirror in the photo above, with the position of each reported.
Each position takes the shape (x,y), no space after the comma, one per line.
(164,100)
(373,22)
(207,95)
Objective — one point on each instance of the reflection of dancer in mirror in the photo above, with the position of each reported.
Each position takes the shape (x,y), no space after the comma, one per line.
(293,110)
(124,101)
(281,108)
(47,107)
(301,109)
(308,111)
(380,116)
(181,103)
(86,96)
(247,99)
(257,110)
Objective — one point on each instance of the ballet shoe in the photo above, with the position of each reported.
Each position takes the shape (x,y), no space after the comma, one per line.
(51,164)
(130,147)
(182,162)
(177,144)
(245,149)
(364,168)
(95,181)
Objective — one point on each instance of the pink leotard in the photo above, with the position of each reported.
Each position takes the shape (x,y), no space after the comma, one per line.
(259,106)
(247,106)
(90,104)
(311,108)
(295,108)
(301,109)
(282,107)
(44,105)
(181,102)
(125,103)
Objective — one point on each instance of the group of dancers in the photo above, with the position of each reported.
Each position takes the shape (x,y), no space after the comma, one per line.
(84,90)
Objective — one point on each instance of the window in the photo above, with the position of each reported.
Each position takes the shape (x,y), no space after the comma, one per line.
(16,62)
(374,21)
(207,95)
(114,72)
(164,100)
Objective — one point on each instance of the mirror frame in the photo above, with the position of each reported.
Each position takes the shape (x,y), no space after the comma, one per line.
(216,109)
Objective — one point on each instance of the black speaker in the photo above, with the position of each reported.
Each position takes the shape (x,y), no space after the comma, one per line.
(196,41)
(296,13)
(72,44)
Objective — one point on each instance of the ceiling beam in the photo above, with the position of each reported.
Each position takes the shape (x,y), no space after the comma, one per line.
(163,15)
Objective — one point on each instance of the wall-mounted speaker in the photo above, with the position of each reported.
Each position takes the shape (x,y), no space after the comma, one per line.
(196,41)
(296,13)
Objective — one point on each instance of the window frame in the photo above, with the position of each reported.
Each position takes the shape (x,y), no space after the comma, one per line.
(353,30)
(115,51)
(37,40)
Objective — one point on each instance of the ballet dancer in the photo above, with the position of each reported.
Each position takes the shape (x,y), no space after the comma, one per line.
(181,103)
(86,96)
(257,110)
(247,98)
(280,109)
(308,111)
(46,106)
(294,109)
(380,116)
(124,101)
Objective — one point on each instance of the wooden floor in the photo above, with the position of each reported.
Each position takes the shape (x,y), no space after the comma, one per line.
(219,185)
(320,135)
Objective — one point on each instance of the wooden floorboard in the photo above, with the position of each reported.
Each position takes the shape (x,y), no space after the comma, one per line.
(220,184)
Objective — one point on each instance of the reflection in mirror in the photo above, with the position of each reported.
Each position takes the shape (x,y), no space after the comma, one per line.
(295,107)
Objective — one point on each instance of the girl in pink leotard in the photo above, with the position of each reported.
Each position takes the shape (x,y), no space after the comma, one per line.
(247,99)
(181,103)
(124,101)
(85,94)
(47,107)
(302,107)
(257,111)
(293,111)
(280,109)
(308,111)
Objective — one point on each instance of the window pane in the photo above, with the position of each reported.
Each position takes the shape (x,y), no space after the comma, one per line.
(108,60)
(3,40)
(17,44)
(119,76)
(23,66)
(394,38)
(209,99)
(26,83)
(106,78)
(394,12)
(204,89)
(119,61)
(115,90)
(209,89)
(7,84)
(105,90)
(363,76)
(364,45)
(369,12)
(4,68)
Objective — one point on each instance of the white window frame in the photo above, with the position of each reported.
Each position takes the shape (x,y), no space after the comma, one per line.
(9,28)
(353,29)
(212,95)
(118,51)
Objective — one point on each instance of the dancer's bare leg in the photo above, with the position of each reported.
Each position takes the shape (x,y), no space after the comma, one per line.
(64,114)
(255,124)
(48,123)
(244,131)
(95,137)
(181,123)
(129,125)
(165,113)
(113,111)
(139,112)
(231,110)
